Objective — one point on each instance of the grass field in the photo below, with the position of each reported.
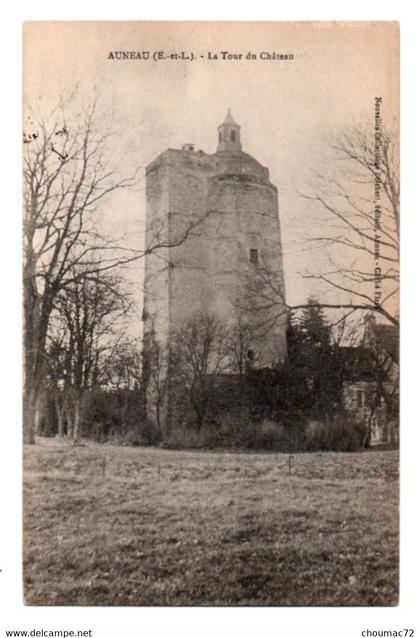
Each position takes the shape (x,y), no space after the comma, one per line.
(140,526)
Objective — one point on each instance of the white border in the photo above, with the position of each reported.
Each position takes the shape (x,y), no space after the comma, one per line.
(284,622)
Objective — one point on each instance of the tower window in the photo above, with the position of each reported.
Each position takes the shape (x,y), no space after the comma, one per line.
(253,256)
(232,136)
(220,137)
(250,355)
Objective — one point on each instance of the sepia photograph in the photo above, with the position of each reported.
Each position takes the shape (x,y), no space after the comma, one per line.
(211,226)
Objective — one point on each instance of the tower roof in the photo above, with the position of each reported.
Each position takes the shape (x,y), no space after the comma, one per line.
(229,119)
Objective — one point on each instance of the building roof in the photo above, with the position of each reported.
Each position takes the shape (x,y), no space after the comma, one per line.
(356,363)
(387,339)
(229,119)
(383,337)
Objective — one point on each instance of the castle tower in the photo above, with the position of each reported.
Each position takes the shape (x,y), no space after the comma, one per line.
(234,248)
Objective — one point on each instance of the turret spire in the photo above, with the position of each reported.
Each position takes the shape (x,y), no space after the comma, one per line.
(229,135)
(229,119)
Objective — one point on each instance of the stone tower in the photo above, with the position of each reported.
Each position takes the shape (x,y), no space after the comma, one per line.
(227,208)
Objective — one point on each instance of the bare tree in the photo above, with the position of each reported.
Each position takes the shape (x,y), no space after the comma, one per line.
(261,295)
(69,173)
(55,386)
(86,314)
(240,340)
(361,225)
(159,370)
(66,177)
(123,368)
(360,203)
(198,358)
(122,377)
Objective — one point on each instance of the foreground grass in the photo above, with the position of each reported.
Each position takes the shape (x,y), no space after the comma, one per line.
(133,526)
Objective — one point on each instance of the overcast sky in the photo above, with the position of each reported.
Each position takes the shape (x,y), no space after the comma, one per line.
(285,108)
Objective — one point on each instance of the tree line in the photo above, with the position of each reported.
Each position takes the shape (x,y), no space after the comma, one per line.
(80,368)
(206,389)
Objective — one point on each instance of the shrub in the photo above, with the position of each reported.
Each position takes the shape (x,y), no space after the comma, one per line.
(145,432)
(315,435)
(269,435)
(345,435)
(340,435)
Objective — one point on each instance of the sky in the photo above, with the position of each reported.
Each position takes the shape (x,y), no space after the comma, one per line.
(287,109)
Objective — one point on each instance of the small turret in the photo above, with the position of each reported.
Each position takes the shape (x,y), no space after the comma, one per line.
(229,135)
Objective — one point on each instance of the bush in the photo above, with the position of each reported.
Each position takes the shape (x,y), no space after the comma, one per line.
(186,436)
(315,436)
(339,435)
(267,435)
(144,433)
(345,435)
(235,430)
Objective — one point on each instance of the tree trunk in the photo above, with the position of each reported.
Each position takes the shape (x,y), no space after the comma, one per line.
(158,414)
(36,318)
(60,417)
(38,419)
(77,426)
(40,413)
(29,411)
(200,420)
(69,419)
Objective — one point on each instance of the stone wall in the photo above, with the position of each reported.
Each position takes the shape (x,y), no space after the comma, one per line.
(234,207)
(209,272)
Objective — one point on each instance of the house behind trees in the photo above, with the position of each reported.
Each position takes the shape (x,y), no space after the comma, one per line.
(371,392)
